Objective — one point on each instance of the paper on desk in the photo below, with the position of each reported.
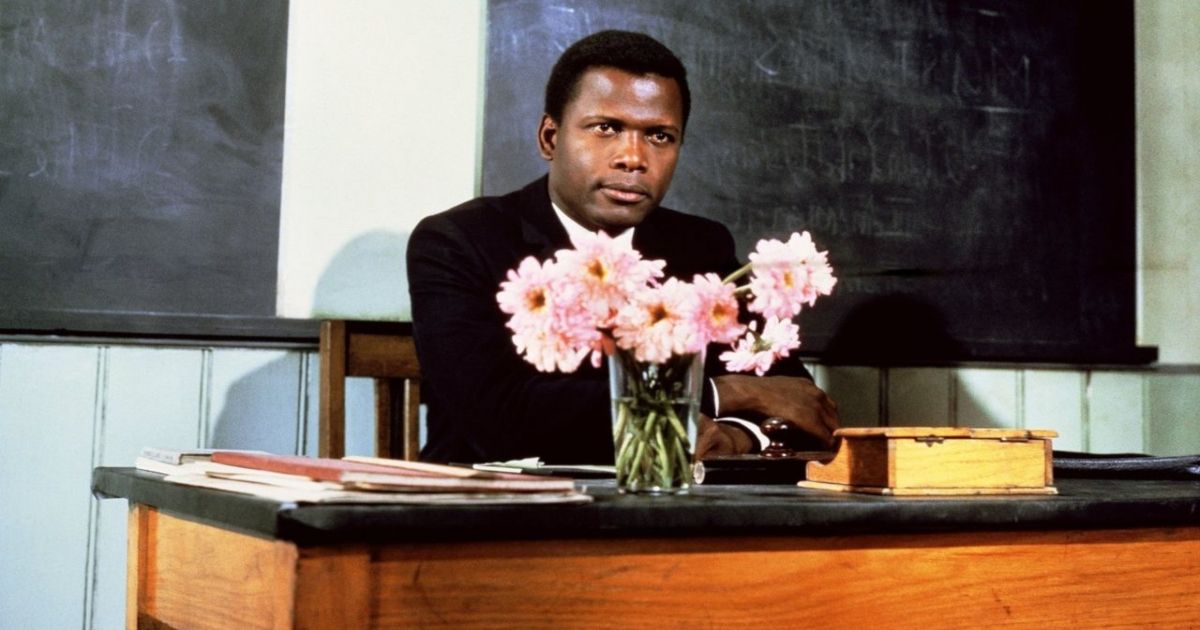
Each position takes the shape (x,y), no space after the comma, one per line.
(534,465)
(320,494)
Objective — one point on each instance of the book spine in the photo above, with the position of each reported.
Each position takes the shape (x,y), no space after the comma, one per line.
(382,482)
(321,470)
(164,455)
(155,466)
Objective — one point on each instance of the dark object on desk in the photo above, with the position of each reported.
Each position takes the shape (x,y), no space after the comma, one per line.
(756,469)
(1125,466)
(783,436)
(784,460)
(574,471)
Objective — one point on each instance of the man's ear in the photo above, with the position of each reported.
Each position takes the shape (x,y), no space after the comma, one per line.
(547,137)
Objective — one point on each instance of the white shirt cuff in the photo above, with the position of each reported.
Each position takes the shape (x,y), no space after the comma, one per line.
(763,442)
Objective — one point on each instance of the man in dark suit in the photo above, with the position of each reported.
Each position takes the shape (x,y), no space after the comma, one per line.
(617,105)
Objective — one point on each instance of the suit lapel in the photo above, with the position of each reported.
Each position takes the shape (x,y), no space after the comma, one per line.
(652,240)
(540,228)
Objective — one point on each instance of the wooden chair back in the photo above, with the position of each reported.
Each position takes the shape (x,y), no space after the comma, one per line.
(385,352)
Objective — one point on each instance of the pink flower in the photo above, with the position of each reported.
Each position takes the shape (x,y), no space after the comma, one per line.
(526,295)
(716,310)
(659,322)
(788,275)
(759,352)
(607,273)
(547,350)
(602,295)
(551,327)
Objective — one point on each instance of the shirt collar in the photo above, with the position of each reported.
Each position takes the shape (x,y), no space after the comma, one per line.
(575,231)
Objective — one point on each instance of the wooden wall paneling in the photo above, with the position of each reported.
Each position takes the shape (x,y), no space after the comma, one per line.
(360,416)
(255,400)
(47,403)
(1054,399)
(1173,414)
(303,382)
(312,409)
(920,397)
(153,397)
(1116,408)
(987,397)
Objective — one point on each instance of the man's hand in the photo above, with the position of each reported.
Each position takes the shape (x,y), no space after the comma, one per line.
(794,399)
(714,439)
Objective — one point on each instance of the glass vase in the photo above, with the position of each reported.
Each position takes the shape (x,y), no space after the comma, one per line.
(655,407)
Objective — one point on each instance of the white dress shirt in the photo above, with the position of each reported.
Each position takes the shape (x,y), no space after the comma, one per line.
(574,232)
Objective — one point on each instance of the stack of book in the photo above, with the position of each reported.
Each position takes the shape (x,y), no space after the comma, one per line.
(298,479)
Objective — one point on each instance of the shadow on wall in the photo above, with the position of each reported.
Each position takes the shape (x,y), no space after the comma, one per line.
(895,329)
(899,331)
(366,279)
(270,407)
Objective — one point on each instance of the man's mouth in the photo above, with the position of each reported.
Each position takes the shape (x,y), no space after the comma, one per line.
(624,193)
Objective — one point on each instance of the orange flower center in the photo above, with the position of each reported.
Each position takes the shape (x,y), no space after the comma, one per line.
(598,270)
(721,314)
(536,299)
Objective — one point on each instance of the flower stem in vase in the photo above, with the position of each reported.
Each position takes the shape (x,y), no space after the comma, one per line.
(654,406)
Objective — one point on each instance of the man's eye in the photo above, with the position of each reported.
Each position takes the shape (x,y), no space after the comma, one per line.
(605,128)
(661,137)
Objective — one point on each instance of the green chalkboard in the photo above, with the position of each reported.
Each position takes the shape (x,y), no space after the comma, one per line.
(968,164)
(140,157)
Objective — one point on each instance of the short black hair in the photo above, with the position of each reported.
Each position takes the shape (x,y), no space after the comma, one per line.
(635,53)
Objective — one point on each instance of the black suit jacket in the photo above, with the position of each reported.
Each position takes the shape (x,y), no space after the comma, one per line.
(484,402)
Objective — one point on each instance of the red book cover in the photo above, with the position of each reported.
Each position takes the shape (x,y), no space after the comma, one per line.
(319,468)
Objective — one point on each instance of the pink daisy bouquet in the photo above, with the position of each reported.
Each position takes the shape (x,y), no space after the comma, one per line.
(602,298)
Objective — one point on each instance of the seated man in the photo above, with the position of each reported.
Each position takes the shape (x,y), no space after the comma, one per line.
(616,108)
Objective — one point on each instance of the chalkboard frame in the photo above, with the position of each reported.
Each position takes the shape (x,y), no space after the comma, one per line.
(156,329)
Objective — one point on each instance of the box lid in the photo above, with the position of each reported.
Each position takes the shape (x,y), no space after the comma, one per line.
(946,432)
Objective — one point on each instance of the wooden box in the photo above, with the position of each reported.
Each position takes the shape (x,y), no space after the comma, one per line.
(938,460)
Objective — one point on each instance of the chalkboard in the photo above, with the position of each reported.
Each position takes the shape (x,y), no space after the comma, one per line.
(968,165)
(140,157)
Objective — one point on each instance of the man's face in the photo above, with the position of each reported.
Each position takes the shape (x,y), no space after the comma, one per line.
(613,153)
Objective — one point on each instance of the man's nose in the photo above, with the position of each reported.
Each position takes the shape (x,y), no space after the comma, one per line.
(630,152)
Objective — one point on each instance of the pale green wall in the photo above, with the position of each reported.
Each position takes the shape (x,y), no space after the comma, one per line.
(1168,157)
(383,103)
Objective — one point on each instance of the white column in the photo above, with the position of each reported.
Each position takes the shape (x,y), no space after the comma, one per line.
(382,128)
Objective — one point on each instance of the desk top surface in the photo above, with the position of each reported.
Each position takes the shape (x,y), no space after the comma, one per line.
(705,511)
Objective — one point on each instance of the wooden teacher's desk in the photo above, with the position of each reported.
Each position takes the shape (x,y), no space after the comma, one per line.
(1102,553)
